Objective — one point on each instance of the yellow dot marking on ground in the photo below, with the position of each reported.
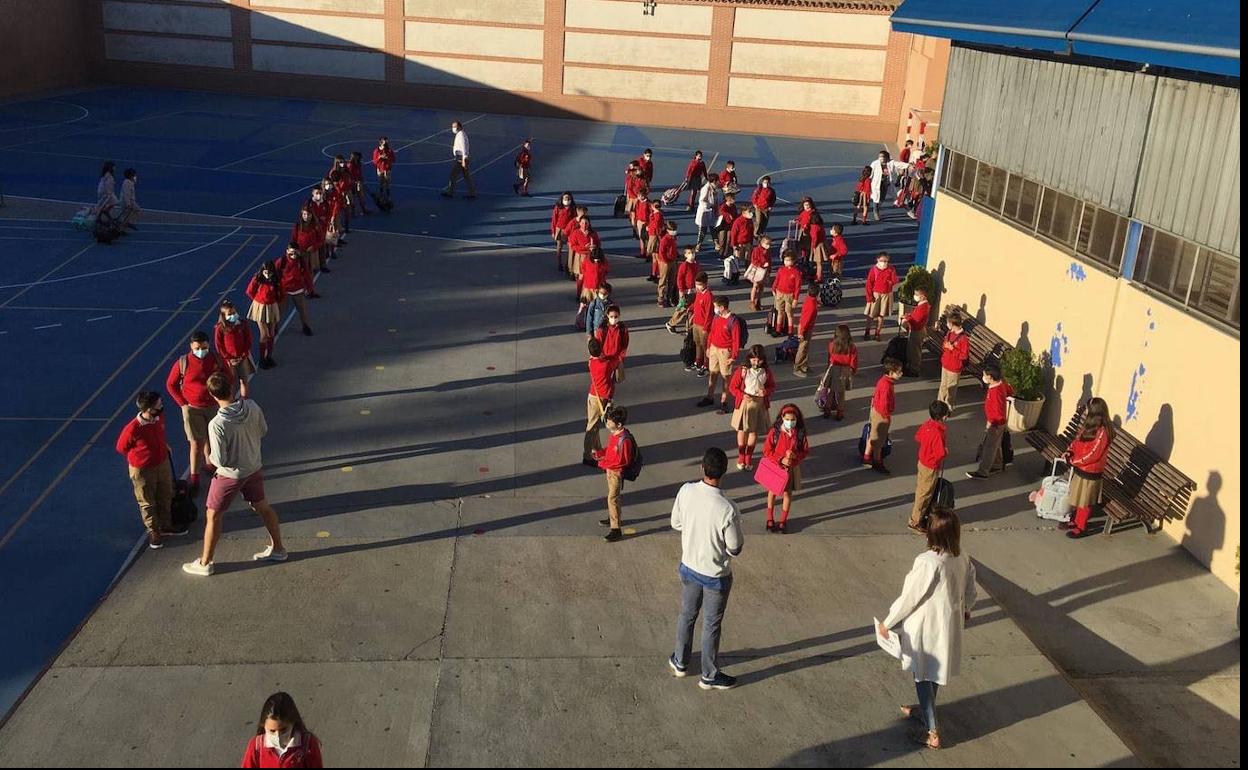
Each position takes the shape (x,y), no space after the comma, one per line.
(402,299)
(366,412)
(379,368)
(392,331)
(322,533)
(629,531)
(347,469)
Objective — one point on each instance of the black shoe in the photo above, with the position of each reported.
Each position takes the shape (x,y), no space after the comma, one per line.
(705,401)
(721,682)
(325,269)
(613,535)
(272,362)
(174,531)
(515,188)
(1075,534)
(264,363)
(782,528)
(880,468)
(771,525)
(723,408)
(976,475)
(307,330)
(605,522)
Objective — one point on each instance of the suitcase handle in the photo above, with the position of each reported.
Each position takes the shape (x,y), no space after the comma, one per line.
(1059,461)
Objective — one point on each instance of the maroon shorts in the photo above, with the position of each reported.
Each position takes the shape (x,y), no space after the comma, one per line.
(223,490)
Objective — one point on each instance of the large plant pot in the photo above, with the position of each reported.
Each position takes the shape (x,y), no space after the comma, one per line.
(1022,416)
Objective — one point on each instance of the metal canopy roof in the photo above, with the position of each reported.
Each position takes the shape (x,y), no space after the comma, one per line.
(1198,36)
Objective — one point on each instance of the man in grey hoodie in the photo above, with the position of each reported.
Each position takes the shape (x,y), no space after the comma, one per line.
(234,448)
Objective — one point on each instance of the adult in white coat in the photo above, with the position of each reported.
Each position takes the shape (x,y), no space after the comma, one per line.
(934,605)
(708,209)
(883,171)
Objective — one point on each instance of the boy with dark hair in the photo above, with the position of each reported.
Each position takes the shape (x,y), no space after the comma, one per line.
(915,324)
(727,215)
(932,452)
(143,443)
(601,391)
(996,402)
(646,164)
(686,277)
(695,174)
(654,231)
(763,200)
(839,249)
(806,330)
(613,460)
(724,345)
(614,338)
(785,289)
(701,314)
(728,177)
(883,404)
(665,260)
(187,385)
(955,350)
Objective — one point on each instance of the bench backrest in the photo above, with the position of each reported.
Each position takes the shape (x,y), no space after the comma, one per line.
(984,344)
(1141,473)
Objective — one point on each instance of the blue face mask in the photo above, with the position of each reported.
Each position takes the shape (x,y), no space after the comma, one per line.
(790,424)
(232,318)
(200,352)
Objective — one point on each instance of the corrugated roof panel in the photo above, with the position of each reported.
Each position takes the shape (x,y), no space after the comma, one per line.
(1041,26)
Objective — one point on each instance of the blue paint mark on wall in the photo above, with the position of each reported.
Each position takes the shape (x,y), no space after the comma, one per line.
(1076,272)
(1059,346)
(1133,398)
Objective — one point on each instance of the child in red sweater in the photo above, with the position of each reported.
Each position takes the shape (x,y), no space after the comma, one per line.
(265,291)
(955,349)
(759,269)
(862,195)
(763,200)
(695,176)
(143,443)
(619,454)
(383,161)
(883,404)
(282,740)
(727,215)
(601,391)
(294,283)
(614,338)
(842,366)
(524,159)
(701,314)
(915,324)
(686,278)
(1088,455)
(840,250)
(232,340)
(996,404)
(786,445)
(562,214)
(665,259)
(930,438)
(655,226)
(641,213)
(881,280)
(784,289)
(805,331)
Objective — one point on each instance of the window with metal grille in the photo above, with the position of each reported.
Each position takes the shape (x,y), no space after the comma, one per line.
(1200,279)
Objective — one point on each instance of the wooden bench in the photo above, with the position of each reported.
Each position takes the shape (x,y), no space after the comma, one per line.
(1138,484)
(984,344)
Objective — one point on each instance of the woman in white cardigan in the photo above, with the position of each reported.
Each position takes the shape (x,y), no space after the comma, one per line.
(934,605)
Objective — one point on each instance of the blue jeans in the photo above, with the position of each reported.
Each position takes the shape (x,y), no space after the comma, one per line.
(927,702)
(695,597)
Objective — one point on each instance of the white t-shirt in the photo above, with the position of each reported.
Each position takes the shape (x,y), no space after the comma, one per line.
(460,148)
(710,529)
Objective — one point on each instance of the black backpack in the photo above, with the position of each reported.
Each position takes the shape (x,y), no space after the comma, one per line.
(633,470)
(689,350)
(896,348)
(182,510)
(745,331)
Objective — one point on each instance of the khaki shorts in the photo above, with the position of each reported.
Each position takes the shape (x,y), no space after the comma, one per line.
(879,428)
(719,361)
(195,421)
(881,306)
(785,304)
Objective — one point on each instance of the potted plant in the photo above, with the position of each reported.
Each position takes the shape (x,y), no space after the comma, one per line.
(916,278)
(1024,373)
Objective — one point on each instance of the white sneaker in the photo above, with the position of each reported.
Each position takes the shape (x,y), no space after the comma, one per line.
(268,554)
(195,568)
(740,466)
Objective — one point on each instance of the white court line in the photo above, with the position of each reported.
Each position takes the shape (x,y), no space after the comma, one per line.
(89,130)
(85,113)
(150,309)
(52,419)
(98,318)
(25,289)
(127,404)
(124,267)
(504,154)
(257,222)
(47,326)
(283,147)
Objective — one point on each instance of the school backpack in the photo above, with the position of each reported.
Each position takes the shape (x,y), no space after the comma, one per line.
(182,509)
(581,313)
(689,350)
(830,292)
(633,470)
(745,331)
(621,202)
(942,495)
(866,435)
(896,348)
(106,229)
(787,350)
(773,322)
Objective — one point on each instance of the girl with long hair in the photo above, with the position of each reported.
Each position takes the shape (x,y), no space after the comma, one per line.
(265,291)
(1088,455)
(787,444)
(751,385)
(282,739)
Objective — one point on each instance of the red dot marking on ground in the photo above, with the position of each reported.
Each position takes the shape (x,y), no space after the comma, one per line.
(483,469)
(493,331)
(489,368)
(478,532)
(487,411)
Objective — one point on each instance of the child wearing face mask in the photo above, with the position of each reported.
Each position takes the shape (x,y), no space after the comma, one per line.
(562,214)
(614,337)
(840,250)
(187,386)
(232,339)
(883,404)
(915,324)
(784,289)
(723,347)
(996,406)
(701,314)
(708,210)
(295,280)
(265,291)
(282,739)
(763,200)
(596,311)
(593,273)
(582,242)
(881,280)
(686,281)
(752,385)
(787,445)
(146,449)
(842,366)
(621,448)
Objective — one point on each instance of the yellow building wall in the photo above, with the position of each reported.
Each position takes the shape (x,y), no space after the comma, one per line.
(1108,338)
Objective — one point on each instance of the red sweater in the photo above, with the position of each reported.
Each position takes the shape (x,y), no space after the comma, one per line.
(295,278)
(259,755)
(582,242)
(232,341)
(742,232)
(788,281)
(839,247)
(144,446)
(192,388)
(727,177)
(760,257)
(817,234)
(561,216)
(726,334)
(524,158)
(630,184)
(642,211)
(647,169)
(383,159)
(686,276)
(654,222)
(884,400)
(614,340)
(931,440)
(573,226)
(779,443)
(736,386)
(864,187)
(1091,457)
(849,359)
(702,311)
(880,281)
(917,318)
(594,274)
(995,402)
(803,219)
(695,170)
(306,236)
(260,290)
(955,350)
(619,452)
(729,213)
(763,197)
(602,377)
(810,309)
(667,248)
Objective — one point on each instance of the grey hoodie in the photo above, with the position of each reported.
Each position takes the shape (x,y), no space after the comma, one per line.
(234,439)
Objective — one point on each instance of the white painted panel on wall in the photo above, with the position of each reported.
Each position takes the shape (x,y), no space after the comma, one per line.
(149,17)
(617,15)
(366,65)
(482,41)
(375,7)
(804,97)
(311,28)
(508,11)
(804,61)
(634,84)
(473,73)
(812,26)
(167,50)
(631,50)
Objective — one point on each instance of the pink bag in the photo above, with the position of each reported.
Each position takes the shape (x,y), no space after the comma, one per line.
(774,478)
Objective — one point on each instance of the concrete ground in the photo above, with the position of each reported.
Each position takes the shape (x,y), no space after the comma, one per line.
(449,600)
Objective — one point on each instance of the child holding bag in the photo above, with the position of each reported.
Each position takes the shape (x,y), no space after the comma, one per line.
(787,445)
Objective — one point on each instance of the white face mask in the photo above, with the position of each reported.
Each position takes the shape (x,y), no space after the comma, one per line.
(881,263)
(766,185)
(613,321)
(279,741)
(790,424)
